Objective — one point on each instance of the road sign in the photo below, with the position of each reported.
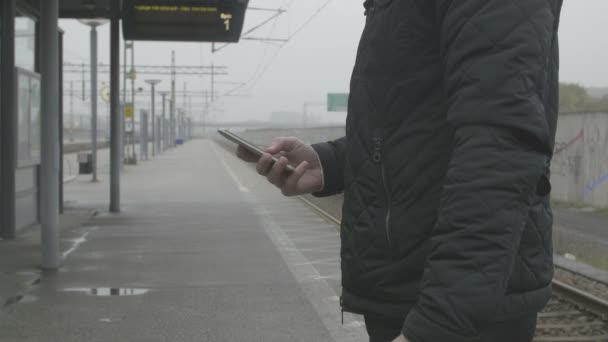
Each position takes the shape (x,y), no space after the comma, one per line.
(129,111)
(337,102)
(184,20)
(104,93)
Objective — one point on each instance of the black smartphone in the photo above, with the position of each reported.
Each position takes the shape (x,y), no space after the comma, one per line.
(250,147)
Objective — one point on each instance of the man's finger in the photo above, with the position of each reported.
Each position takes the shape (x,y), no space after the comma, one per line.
(281,144)
(290,188)
(277,174)
(264,164)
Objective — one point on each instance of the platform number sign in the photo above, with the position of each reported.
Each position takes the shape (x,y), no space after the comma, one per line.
(226,18)
(184,20)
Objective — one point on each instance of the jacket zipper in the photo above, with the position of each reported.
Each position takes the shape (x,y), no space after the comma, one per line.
(377,158)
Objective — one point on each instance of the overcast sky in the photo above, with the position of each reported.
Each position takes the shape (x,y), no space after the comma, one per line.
(319,59)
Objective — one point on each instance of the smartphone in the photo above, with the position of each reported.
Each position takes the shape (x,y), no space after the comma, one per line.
(250,147)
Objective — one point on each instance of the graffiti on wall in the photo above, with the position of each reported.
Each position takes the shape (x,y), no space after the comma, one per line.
(570,164)
(565,164)
(595,185)
(560,147)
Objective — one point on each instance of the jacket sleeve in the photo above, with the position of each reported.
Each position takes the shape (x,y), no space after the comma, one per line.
(495,55)
(331,156)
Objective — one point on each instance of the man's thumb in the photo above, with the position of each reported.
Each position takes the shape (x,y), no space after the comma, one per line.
(275,147)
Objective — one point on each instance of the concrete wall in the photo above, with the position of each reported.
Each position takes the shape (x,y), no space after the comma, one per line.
(580,162)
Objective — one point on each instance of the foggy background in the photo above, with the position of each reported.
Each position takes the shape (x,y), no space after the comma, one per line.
(267,77)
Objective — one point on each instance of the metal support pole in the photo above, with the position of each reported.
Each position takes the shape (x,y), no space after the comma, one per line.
(153,84)
(146,130)
(115,114)
(60,123)
(172,104)
(124,102)
(71,111)
(166,133)
(153,120)
(94,99)
(164,94)
(49,166)
(158,133)
(212,83)
(8,122)
(141,134)
(179,124)
(183,126)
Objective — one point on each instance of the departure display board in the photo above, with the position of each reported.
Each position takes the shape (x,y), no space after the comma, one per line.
(184,20)
(84,9)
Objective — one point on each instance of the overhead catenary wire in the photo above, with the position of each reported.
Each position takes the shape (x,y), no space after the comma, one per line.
(256,78)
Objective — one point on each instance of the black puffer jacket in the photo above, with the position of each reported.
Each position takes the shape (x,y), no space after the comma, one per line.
(444,167)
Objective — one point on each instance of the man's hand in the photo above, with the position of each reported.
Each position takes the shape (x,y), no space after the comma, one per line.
(401,338)
(307,177)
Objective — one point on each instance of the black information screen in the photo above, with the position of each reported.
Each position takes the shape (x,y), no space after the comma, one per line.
(184,20)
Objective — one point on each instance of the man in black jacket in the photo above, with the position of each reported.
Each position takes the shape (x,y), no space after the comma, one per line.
(446,230)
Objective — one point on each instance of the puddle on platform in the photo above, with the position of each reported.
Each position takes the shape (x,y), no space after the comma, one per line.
(107,291)
(28,273)
(23,273)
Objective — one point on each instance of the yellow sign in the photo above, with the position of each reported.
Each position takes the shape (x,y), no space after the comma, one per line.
(129,111)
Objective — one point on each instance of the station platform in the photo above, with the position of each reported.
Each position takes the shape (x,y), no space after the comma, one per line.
(204,250)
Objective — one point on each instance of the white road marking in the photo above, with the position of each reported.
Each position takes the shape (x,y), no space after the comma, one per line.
(233,175)
(312,283)
(77,242)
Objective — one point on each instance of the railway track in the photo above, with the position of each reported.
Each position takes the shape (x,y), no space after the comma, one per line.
(572,314)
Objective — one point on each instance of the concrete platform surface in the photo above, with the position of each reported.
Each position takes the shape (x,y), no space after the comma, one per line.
(204,250)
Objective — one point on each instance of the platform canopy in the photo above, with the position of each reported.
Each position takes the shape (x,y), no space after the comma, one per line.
(184,20)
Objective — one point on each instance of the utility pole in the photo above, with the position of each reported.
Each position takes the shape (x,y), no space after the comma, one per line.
(185,94)
(184,107)
(84,85)
(164,129)
(71,111)
(172,106)
(153,84)
(212,83)
(190,106)
(93,24)
(134,158)
(124,103)
(205,114)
